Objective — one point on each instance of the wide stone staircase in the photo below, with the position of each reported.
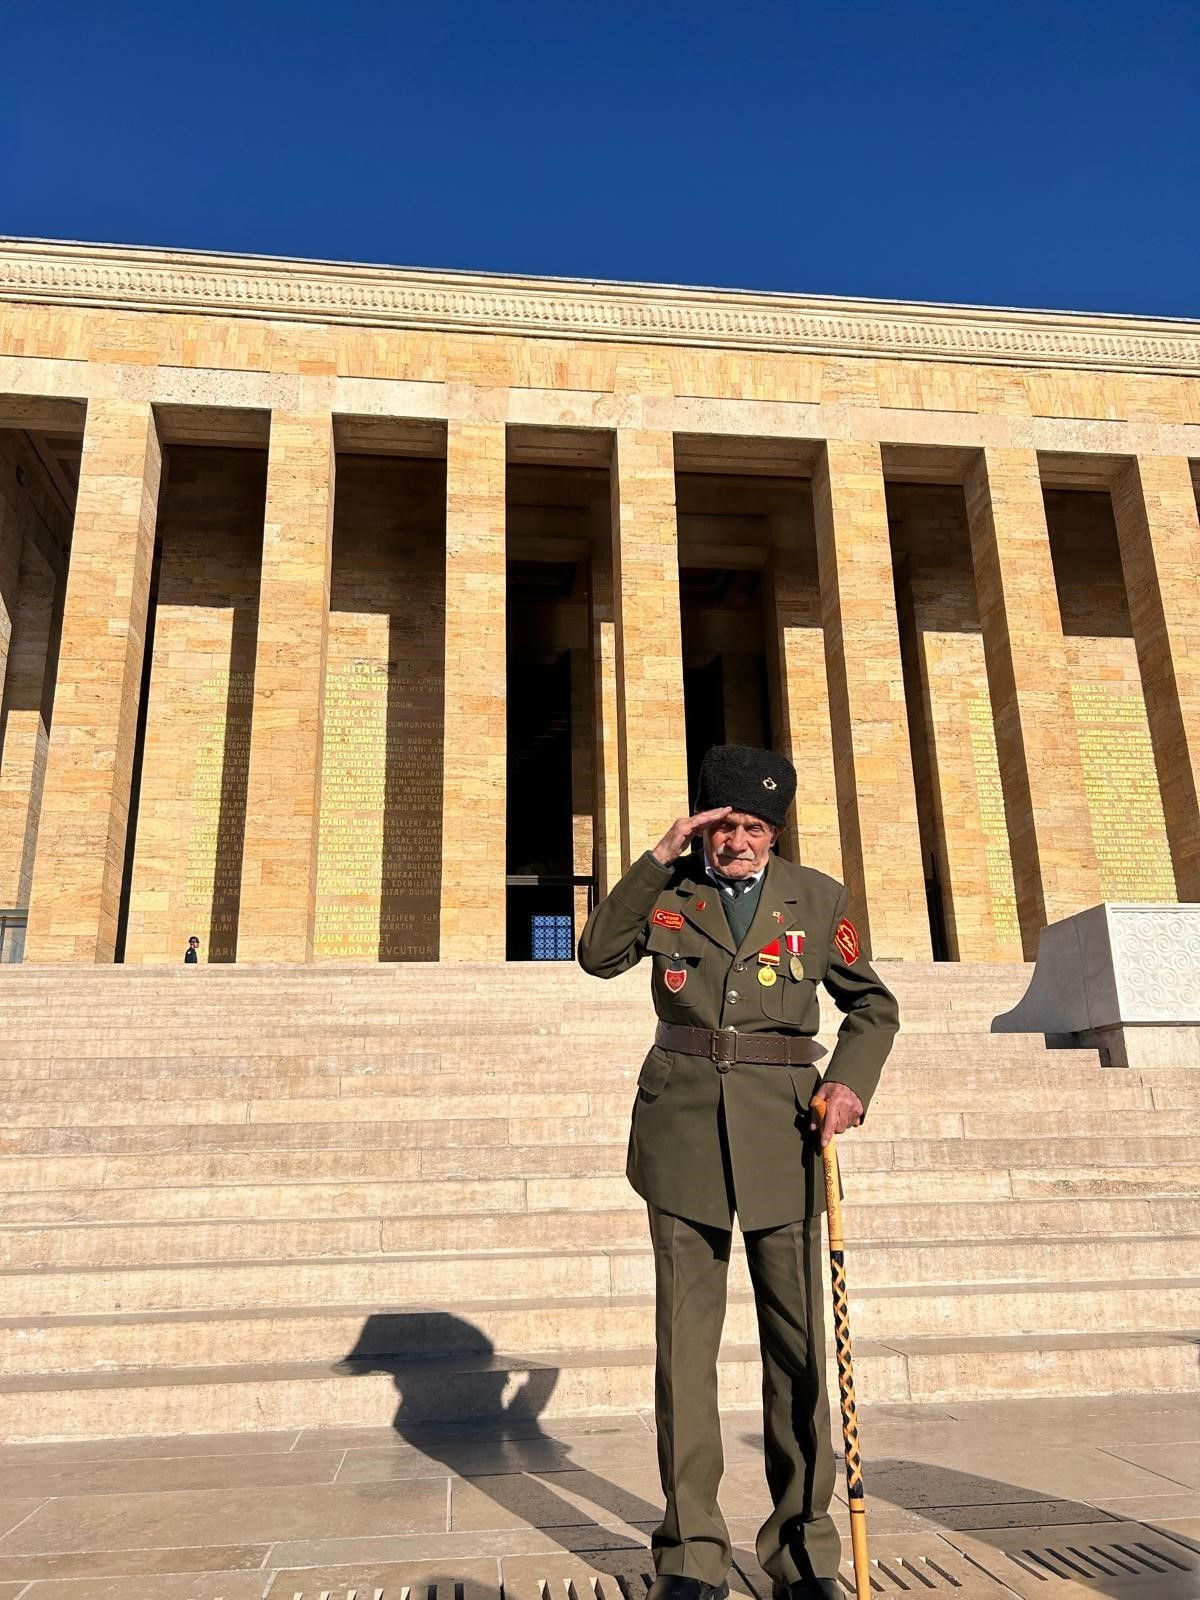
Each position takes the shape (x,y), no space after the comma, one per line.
(254,1198)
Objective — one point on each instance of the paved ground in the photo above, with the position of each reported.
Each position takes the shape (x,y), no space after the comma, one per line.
(1060,1500)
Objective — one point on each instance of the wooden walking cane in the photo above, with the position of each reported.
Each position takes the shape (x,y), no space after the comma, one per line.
(845,1365)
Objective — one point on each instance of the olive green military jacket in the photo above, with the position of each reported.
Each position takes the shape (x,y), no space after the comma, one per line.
(769,1170)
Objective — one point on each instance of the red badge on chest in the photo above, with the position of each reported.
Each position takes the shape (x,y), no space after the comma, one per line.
(675,979)
(845,936)
(667,919)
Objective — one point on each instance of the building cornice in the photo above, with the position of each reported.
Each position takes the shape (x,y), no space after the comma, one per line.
(43,272)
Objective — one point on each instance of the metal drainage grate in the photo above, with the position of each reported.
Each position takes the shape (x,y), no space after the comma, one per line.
(1076,1567)
(1127,1559)
(904,1575)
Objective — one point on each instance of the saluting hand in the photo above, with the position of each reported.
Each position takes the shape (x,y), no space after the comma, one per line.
(843,1109)
(682,831)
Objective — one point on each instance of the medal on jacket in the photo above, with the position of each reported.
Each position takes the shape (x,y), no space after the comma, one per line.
(795,945)
(676,974)
(768,958)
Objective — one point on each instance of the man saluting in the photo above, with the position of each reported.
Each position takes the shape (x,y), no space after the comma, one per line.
(722,1125)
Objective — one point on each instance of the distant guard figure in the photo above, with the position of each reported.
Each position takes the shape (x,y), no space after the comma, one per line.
(191,955)
(722,1125)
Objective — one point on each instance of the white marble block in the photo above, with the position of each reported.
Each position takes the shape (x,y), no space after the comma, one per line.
(1122,978)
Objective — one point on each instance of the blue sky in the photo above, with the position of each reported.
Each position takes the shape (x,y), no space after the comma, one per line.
(1006,154)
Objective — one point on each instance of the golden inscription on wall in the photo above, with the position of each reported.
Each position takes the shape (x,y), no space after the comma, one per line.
(997,856)
(218,809)
(351,828)
(378,858)
(1122,791)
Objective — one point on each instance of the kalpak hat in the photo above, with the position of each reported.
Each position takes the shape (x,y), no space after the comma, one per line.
(745,779)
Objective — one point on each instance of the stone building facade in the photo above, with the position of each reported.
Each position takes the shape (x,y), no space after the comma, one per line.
(362,614)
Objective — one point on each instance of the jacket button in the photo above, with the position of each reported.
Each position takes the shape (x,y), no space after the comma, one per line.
(739,966)
(732,997)
(723,1066)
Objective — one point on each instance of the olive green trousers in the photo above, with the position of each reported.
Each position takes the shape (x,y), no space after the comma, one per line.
(798,1541)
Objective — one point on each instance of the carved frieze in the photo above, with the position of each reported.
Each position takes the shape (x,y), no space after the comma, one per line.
(170,281)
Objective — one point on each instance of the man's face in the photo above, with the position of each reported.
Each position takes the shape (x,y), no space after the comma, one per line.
(738,845)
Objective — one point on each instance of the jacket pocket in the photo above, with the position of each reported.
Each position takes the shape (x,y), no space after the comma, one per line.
(804,1082)
(679,951)
(656,1070)
(794,1004)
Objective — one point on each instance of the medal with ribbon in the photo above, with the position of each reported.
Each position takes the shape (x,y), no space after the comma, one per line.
(768,960)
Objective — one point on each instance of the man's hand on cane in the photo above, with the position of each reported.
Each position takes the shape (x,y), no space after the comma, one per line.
(843,1109)
(682,831)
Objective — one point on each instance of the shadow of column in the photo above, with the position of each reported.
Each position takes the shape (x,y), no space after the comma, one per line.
(411,864)
(235,767)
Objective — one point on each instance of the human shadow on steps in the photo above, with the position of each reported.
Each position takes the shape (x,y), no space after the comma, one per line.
(478,1416)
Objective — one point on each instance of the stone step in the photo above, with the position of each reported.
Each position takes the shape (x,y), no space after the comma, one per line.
(533,1147)
(83,1111)
(188,1034)
(520,1214)
(230,1399)
(92,1244)
(270,975)
(203,1267)
(329,1333)
(991,1056)
(981,1088)
(81,1180)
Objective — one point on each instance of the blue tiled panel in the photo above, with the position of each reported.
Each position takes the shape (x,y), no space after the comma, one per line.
(552,939)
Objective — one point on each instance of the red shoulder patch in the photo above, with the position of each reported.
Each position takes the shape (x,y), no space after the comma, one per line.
(845,936)
(667,919)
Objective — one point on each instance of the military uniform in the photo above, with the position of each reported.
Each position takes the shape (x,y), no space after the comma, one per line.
(714,1136)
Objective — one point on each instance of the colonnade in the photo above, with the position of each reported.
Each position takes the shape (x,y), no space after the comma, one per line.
(841,690)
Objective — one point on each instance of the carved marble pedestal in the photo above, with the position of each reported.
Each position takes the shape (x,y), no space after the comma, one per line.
(1123,979)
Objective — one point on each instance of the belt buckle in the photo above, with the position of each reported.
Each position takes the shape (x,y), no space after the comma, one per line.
(722,1048)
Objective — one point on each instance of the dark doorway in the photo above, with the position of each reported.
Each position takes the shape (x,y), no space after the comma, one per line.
(539,864)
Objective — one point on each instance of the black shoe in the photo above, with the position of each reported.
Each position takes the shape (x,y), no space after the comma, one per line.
(808,1589)
(670,1586)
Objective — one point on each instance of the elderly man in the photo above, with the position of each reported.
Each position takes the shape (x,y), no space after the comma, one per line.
(722,1125)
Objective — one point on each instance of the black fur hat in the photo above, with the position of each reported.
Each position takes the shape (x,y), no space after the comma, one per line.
(757,781)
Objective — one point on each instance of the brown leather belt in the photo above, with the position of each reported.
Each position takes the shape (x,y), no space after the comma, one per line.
(726,1047)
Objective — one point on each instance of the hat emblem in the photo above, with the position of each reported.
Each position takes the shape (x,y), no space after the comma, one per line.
(769,783)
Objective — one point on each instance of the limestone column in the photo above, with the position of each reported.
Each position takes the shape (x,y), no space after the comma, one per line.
(1159,532)
(474,794)
(85,803)
(25,725)
(606,765)
(1049,825)
(877,806)
(800,709)
(652,748)
(283,781)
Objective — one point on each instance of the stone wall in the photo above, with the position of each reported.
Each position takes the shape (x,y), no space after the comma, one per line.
(379,851)
(191,809)
(964,833)
(1128,826)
